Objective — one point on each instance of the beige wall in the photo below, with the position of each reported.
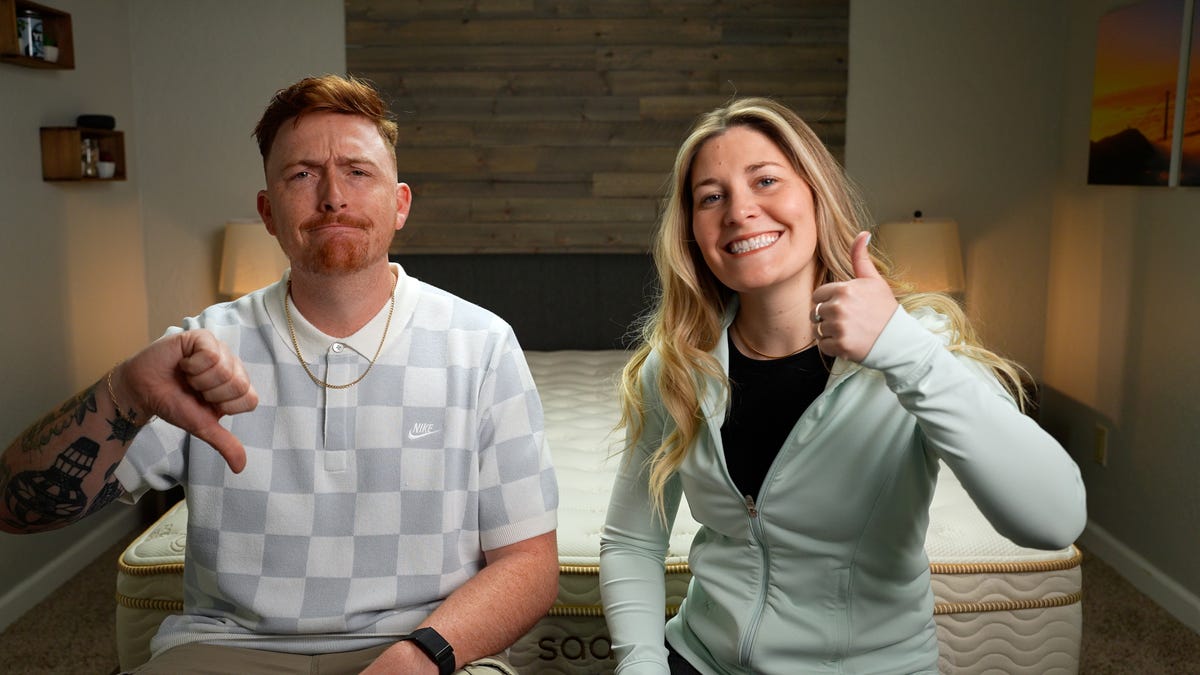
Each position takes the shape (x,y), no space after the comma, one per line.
(94,271)
(980,112)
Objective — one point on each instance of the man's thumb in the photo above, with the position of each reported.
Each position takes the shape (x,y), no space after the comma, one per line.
(225,443)
(860,258)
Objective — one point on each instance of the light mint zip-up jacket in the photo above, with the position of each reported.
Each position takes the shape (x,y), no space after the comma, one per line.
(825,570)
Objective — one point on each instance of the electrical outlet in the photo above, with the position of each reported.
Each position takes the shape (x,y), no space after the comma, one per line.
(1100,445)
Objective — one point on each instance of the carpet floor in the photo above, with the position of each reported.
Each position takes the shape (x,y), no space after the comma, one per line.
(72,632)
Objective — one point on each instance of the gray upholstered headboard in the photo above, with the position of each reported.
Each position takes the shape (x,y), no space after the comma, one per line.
(552,301)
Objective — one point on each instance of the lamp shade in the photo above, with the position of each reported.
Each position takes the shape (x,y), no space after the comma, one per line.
(925,253)
(250,258)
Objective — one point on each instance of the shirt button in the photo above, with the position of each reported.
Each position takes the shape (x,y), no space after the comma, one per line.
(338,347)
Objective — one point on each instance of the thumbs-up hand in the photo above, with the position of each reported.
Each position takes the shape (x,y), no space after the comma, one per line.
(850,315)
(190,379)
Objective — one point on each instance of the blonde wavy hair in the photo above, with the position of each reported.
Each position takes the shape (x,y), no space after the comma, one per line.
(685,323)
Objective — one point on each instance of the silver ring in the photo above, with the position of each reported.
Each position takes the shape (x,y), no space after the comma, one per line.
(817,313)
(820,335)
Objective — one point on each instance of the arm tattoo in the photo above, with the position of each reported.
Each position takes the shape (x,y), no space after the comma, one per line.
(53,424)
(109,493)
(54,495)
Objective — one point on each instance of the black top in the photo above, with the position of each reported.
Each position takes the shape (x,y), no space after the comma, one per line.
(767,399)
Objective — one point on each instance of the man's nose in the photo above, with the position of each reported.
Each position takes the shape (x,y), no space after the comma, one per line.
(332,196)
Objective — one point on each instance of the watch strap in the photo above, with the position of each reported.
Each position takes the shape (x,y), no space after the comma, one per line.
(435,647)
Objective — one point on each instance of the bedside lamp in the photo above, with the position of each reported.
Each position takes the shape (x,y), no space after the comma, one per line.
(926,253)
(250,258)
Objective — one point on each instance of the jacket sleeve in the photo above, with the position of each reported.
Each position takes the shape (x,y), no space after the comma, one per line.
(633,548)
(1021,479)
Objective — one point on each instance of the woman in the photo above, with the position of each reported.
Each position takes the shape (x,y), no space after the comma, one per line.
(802,401)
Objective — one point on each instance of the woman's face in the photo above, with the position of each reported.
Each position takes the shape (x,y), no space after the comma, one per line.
(752,214)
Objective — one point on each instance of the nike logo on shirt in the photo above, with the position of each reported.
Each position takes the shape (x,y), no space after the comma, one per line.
(421,430)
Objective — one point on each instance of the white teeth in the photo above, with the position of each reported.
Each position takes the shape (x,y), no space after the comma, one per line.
(753,243)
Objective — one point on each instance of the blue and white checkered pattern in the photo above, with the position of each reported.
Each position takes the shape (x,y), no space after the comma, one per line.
(360,509)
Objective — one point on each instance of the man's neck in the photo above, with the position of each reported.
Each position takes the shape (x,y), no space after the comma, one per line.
(339,305)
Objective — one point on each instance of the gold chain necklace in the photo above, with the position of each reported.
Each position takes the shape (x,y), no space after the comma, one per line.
(296,344)
(741,338)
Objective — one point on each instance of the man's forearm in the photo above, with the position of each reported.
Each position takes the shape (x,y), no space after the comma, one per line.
(501,603)
(60,468)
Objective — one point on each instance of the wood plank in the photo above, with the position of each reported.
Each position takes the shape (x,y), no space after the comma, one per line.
(630,184)
(824,108)
(518,108)
(391,9)
(785,30)
(716,8)
(731,57)
(471,58)
(435,83)
(534,185)
(461,32)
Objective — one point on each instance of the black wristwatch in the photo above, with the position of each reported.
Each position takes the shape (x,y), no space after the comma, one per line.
(435,647)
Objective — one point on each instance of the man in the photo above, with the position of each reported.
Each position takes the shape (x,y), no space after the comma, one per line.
(380,493)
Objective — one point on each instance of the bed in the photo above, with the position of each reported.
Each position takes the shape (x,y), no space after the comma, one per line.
(998,607)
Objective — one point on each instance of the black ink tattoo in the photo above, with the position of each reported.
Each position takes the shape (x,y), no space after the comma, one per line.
(54,495)
(123,428)
(53,424)
(109,493)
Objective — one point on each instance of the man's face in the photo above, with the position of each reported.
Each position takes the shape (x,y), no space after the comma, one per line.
(332,199)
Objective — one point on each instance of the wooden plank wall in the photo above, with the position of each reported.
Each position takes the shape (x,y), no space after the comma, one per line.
(551,125)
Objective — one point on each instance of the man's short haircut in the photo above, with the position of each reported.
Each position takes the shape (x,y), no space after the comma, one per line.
(329,93)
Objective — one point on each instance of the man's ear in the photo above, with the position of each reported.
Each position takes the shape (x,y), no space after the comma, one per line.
(403,203)
(264,211)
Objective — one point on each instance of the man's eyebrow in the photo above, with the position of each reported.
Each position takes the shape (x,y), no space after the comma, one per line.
(344,160)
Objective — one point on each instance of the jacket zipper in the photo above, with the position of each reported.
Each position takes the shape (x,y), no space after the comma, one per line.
(747,641)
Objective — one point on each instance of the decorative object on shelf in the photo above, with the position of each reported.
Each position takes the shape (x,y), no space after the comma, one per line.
(250,259)
(75,153)
(49,48)
(90,156)
(925,253)
(107,122)
(30,33)
(33,35)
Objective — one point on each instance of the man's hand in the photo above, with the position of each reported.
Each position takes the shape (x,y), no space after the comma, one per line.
(850,315)
(191,380)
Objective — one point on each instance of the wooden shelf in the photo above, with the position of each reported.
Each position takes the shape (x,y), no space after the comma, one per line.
(56,24)
(62,152)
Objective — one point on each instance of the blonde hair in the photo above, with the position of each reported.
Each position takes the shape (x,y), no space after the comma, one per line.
(685,324)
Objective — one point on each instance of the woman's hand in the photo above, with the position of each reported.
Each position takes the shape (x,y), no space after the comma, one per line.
(850,315)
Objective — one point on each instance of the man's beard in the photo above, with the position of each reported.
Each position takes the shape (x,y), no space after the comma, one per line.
(338,255)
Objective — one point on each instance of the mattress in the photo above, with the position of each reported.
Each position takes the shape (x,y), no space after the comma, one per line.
(998,607)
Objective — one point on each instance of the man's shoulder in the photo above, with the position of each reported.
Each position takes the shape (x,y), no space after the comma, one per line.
(452,311)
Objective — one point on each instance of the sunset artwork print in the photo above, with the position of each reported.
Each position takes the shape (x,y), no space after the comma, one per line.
(1133,99)
(1189,169)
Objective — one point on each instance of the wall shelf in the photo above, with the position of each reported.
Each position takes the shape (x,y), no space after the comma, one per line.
(56,24)
(62,152)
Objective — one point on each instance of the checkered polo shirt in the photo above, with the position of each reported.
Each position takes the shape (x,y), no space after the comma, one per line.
(360,509)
